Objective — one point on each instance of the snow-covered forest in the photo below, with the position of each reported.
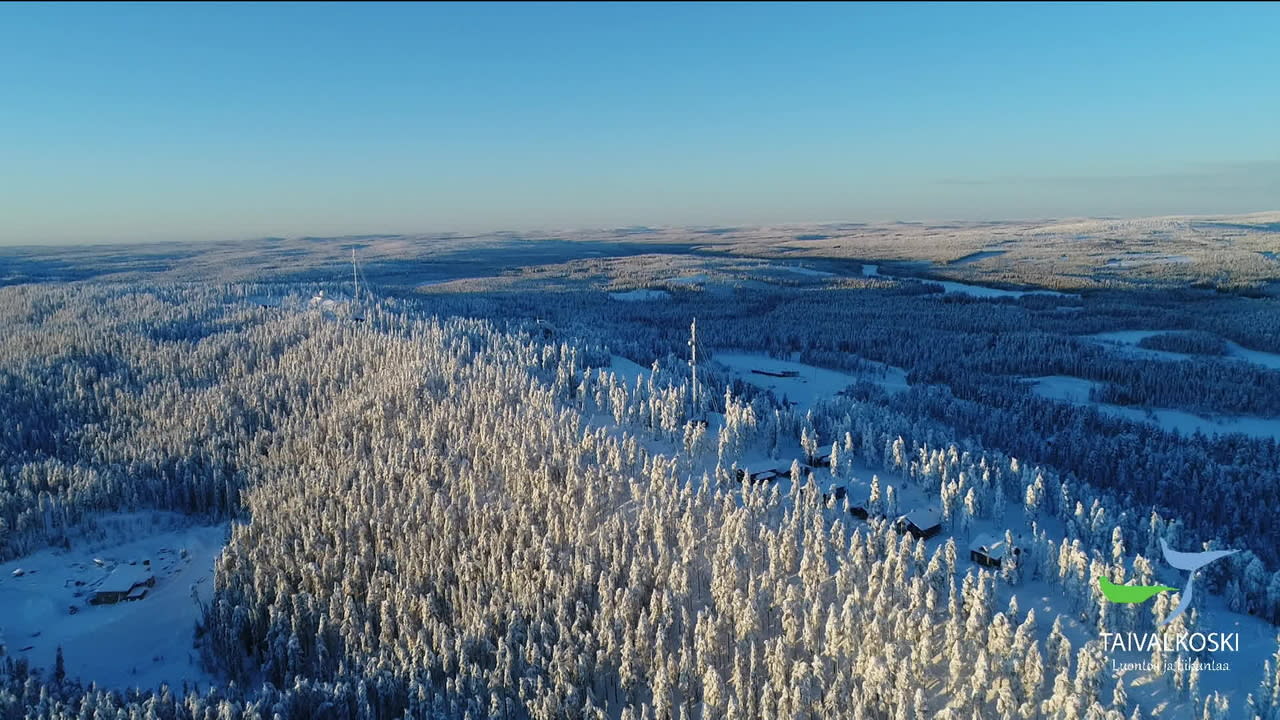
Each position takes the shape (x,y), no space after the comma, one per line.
(502,495)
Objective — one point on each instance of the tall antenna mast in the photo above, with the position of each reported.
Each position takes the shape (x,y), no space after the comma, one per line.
(354,278)
(693,364)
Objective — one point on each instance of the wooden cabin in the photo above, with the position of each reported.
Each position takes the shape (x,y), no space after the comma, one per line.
(778,373)
(818,461)
(756,478)
(990,550)
(126,582)
(921,522)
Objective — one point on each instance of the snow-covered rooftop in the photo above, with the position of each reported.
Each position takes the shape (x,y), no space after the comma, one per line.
(924,518)
(993,546)
(124,578)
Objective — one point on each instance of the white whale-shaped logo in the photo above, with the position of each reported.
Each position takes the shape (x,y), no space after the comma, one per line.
(1191,562)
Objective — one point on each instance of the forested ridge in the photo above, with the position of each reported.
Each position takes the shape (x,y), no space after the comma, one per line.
(438,516)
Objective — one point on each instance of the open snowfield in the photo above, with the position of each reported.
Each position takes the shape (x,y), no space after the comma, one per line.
(1140,259)
(141,643)
(987,292)
(697,279)
(960,288)
(977,257)
(799,270)
(1127,341)
(1076,391)
(627,370)
(640,295)
(809,384)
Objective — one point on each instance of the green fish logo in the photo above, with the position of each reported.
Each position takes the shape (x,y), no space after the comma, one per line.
(1129,593)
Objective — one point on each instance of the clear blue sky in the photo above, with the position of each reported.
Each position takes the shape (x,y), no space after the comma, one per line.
(154,122)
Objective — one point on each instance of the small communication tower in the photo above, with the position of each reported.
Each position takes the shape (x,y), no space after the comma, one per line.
(695,389)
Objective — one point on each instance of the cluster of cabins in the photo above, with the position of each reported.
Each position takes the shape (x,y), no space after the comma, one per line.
(765,476)
(986,550)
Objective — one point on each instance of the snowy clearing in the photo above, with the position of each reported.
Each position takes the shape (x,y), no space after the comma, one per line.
(808,384)
(627,370)
(1076,391)
(1258,357)
(139,643)
(640,295)
(1140,259)
(690,279)
(979,291)
(1063,387)
(799,270)
(951,286)
(1127,341)
(977,257)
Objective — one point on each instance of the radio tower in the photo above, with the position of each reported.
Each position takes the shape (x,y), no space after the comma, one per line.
(693,367)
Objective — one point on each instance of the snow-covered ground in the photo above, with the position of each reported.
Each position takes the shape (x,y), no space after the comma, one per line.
(640,295)
(809,383)
(987,292)
(1139,259)
(799,270)
(1076,390)
(950,286)
(1258,357)
(141,643)
(627,370)
(1063,387)
(976,257)
(1150,690)
(698,279)
(1127,341)
(1153,691)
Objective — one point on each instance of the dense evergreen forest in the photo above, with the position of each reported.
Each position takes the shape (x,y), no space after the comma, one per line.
(446,504)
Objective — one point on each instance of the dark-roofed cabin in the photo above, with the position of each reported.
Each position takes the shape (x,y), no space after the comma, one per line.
(123,584)
(762,476)
(990,550)
(818,461)
(922,522)
(778,373)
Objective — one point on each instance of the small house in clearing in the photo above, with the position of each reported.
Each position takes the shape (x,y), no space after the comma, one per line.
(818,461)
(778,373)
(756,478)
(126,582)
(921,522)
(990,550)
